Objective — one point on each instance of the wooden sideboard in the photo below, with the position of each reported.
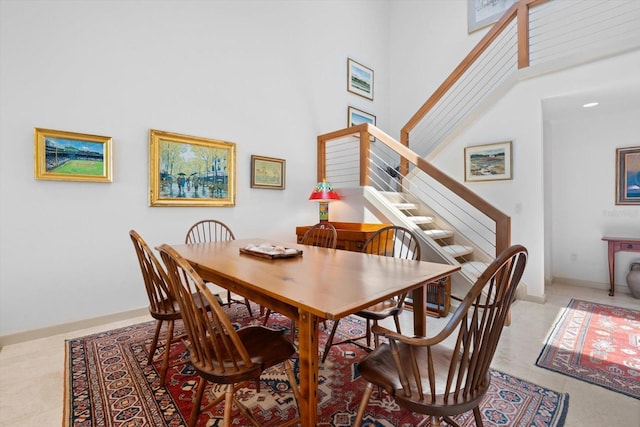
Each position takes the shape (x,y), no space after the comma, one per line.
(351,235)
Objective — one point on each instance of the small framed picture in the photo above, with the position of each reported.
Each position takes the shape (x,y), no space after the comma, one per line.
(484,13)
(359,79)
(70,156)
(628,176)
(356,117)
(489,162)
(191,171)
(267,172)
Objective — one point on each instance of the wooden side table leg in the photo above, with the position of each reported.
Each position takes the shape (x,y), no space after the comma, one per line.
(612,266)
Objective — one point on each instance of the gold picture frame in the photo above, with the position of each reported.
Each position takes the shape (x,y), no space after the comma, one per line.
(191,171)
(268,172)
(72,156)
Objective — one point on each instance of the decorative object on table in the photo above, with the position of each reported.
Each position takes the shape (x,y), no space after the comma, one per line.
(150,403)
(488,162)
(267,172)
(356,117)
(596,343)
(191,171)
(324,193)
(269,251)
(628,176)
(484,13)
(633,279)
(71,156)
(359,79)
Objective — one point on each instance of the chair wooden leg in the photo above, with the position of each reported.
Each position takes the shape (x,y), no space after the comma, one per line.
(477,417)
(154,343)
(248,304)
(288,368)
(266,317)
(329,343)
(228,403)
(167,350)
(195,410)
(363,404)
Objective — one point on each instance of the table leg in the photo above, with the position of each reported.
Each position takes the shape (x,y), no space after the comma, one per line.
(419,311)
(308,353)
(612,267)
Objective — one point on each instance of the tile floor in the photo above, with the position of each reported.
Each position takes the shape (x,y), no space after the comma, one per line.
(31,373)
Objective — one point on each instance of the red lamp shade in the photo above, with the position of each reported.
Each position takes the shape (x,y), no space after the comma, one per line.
(324,193)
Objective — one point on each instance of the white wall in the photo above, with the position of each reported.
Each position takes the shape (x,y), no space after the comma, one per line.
(583,194)
(269,76)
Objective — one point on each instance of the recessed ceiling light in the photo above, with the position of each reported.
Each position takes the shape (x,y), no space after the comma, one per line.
(590,104)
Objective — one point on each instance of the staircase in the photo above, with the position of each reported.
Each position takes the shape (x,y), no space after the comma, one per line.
(441,241)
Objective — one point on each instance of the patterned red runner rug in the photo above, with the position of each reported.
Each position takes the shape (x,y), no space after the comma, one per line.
(598,344)
(108,383)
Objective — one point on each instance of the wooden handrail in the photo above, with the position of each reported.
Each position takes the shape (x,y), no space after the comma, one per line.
(366,130)
(519,9)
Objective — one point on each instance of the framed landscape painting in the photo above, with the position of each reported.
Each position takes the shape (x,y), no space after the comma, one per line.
(489,162)
(191,171)
(628,176)
(482,13)
(356,117)
(267,172)
(71,156)
(359,79)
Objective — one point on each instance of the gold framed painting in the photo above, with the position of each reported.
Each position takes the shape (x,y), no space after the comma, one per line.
(267,172)
(191,171)
(71,156)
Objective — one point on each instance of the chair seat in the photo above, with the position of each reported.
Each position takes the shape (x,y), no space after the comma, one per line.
(168,309)
(379,368)
(266,348)
(381,311)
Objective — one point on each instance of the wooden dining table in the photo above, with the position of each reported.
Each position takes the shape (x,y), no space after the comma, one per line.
(318,284)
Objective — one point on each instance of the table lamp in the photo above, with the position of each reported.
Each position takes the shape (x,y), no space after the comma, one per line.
(324,193)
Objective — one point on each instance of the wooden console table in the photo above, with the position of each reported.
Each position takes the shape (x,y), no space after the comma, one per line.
(351,235)
(617,244)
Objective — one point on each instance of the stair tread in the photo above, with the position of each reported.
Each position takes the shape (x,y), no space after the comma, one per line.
(438,234)
(405,206)
(457,250)
(474,268)
(420,219)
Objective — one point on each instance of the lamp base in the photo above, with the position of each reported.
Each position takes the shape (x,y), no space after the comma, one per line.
(324,211)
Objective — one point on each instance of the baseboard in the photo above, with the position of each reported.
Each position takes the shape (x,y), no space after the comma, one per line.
(70,327)
(592,285)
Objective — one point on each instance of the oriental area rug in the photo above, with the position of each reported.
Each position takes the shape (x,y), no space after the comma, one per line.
(108,383)
(598,344)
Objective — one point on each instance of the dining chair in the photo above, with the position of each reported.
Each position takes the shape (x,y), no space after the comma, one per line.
(440,377)
(392,241)
(211,230)
(218,352)
(163,307)
(322,234)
